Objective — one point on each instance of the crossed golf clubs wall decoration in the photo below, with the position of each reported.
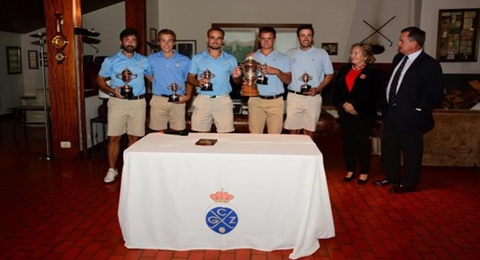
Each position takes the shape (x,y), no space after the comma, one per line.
(378,30)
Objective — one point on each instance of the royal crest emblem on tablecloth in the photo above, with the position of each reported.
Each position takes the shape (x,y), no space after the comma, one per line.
(221,217)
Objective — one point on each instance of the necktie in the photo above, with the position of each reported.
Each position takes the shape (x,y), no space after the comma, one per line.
(392,94)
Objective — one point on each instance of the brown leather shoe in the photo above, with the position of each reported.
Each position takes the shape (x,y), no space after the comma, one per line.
(400,189)
(384,182)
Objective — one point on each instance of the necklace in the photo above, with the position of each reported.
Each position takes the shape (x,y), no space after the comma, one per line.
(359,68)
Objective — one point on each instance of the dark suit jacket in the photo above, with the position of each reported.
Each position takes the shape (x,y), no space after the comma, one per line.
(364,94)
(419,93)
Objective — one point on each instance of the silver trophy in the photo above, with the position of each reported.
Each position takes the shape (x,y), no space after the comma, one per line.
(174,97)
(207,75)
(126,76)
(305,88)
(251,70)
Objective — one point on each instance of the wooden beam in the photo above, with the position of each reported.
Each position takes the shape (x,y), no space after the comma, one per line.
(65,87)
(136,18)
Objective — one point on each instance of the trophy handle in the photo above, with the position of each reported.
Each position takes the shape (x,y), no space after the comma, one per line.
(262,75)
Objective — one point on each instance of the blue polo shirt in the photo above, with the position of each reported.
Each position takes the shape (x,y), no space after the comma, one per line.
(113,66)
(314,61)
(167,71)
(222,68)
(274,59)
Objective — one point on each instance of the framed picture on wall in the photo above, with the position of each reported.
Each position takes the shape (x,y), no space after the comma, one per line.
(14,60)
(330,47)
(153,35)
(33,60)
(186,47)
(457,38)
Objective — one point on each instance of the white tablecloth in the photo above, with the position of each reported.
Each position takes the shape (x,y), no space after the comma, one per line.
(280,195)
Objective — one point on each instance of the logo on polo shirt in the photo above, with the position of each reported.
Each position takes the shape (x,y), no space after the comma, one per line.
(221,217)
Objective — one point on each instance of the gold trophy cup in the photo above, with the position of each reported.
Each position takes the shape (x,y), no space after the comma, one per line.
(305,88)
(126,76)
(250,69)
(174,97)
(207,75)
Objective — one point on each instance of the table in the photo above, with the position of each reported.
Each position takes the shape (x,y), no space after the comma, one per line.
(265,192)
(21,114)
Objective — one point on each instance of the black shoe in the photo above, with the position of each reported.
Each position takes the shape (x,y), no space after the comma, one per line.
(349,179)
(362,182)
(400,189)
(384,182)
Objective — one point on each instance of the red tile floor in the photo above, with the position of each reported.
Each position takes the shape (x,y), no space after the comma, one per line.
(62,210)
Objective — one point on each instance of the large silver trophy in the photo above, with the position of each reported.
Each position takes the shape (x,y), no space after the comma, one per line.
(305,88)
(174,97)
(251,70)
(126,76)
(207,75)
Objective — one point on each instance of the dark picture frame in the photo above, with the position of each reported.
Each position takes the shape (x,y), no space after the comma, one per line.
(14,60)
(33,60)
(186,47)
(457,37)
(153,35)
(330,47)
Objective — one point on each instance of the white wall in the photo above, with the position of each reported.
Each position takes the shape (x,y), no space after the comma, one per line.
(109,22)
(32,78)
(338,21)
(377,13)
(429,23)
(334,20)
(192,19)
(11,86)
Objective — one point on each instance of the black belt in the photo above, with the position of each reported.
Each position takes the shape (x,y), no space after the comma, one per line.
(136,97)
(270,97)
(166,95)
(213,96)
(299,93)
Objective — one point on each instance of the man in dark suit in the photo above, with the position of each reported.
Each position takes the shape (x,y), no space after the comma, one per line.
(413,91)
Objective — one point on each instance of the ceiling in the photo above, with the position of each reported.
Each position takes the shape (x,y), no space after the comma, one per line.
(24,16)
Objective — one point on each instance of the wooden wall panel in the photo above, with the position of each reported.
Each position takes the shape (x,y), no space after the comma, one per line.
(136,18)
(63,81)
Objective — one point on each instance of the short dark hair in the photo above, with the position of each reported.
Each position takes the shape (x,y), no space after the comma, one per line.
(268,29)
(303,27)
(128,32)
(416,34)
(167,31)
(216,29)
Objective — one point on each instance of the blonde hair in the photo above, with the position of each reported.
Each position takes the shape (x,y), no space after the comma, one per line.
(367,51)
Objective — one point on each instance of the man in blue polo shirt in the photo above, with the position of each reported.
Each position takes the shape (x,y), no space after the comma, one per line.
(169,68)
(269,106)
(304,108)
(126,113)
(214,103)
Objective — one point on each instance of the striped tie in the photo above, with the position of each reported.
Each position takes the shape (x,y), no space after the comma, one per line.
(392,94)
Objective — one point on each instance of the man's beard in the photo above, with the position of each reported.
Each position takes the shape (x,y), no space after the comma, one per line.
(128,48)
(306,45)
(215,47)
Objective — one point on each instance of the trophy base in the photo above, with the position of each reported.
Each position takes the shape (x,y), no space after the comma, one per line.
(305,89)
(126,92)
(249,91)
(207,87)
(174,99)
